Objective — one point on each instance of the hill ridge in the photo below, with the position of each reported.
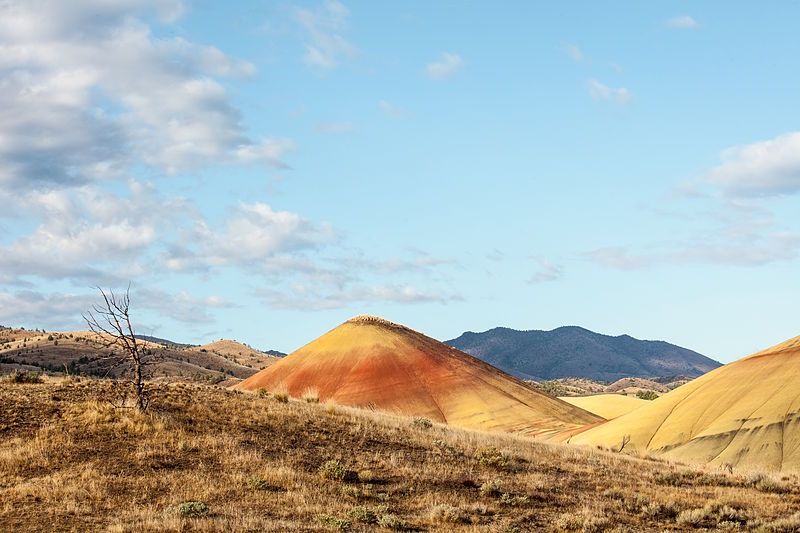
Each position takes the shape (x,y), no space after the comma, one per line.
(575,351)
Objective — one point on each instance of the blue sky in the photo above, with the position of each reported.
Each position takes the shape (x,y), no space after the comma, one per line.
(265,170)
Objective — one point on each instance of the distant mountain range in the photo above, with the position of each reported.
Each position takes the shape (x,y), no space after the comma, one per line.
(572,351)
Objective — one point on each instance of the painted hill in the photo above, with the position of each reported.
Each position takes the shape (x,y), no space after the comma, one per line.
(572,351)
(608,406)
(374,363)
(745,414)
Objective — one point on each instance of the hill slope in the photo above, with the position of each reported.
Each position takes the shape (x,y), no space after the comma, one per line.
(745,414)
(606,405)
(69,461)
(572,351)
(79,352)
(371,362)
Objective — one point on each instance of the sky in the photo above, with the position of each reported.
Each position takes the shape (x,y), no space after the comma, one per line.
(265,170)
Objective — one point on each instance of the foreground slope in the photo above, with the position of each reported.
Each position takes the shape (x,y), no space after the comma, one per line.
(607,406)
(745,414)
(70,461)
(572,351)
(371,362)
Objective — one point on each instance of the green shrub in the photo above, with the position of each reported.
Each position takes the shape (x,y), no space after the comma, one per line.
(765,483)
(790,524)
(713,514)
(421,423)
(259,483)
(25,377)
(491,456)
(333,470)
(281,397)
(448,514)
(490,488)
(647,395)
(366,514)
(391,521)
(513,500)
(340,524)
(193,509)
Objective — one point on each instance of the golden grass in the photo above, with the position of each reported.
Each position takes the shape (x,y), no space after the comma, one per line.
(71,461)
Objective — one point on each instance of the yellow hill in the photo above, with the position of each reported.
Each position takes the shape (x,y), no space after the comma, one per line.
(607,406)
(745,414)
(374,363)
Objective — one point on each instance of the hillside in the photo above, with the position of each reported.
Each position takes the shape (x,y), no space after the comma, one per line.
(745,415)
(371,362)
(69,461)
(607,406)
(572,351)
(80,352)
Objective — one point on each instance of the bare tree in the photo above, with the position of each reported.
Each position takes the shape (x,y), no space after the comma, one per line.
(625,440)
(112,322)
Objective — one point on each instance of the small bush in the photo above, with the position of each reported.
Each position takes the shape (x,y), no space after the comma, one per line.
(614,494)
(660,511)
(713,514)
(790,524)
(335,471)
(764,483)
(584,521)
(311,395)
(391,521)
(263,393)
(421,423)
(366,476)
(259,483)
(647,395)
(490,488)
(366,514)
(448,514)
(281,397)
(25,377)
(513,500)
(340,524)
(193,509)
(491,456)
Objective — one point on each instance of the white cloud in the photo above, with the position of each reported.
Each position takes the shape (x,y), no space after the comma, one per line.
(86,233)
(574,52)
(548,271)
(447,65)
(89,91)
(181,306)
(600,91)
(254,235)
(718,248)
(764,168)
(304,298)
(619,258)
(391,110)
(324,28)
(682,22)
(53,311)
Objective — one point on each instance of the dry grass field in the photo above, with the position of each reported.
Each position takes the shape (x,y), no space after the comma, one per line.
(212,459)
